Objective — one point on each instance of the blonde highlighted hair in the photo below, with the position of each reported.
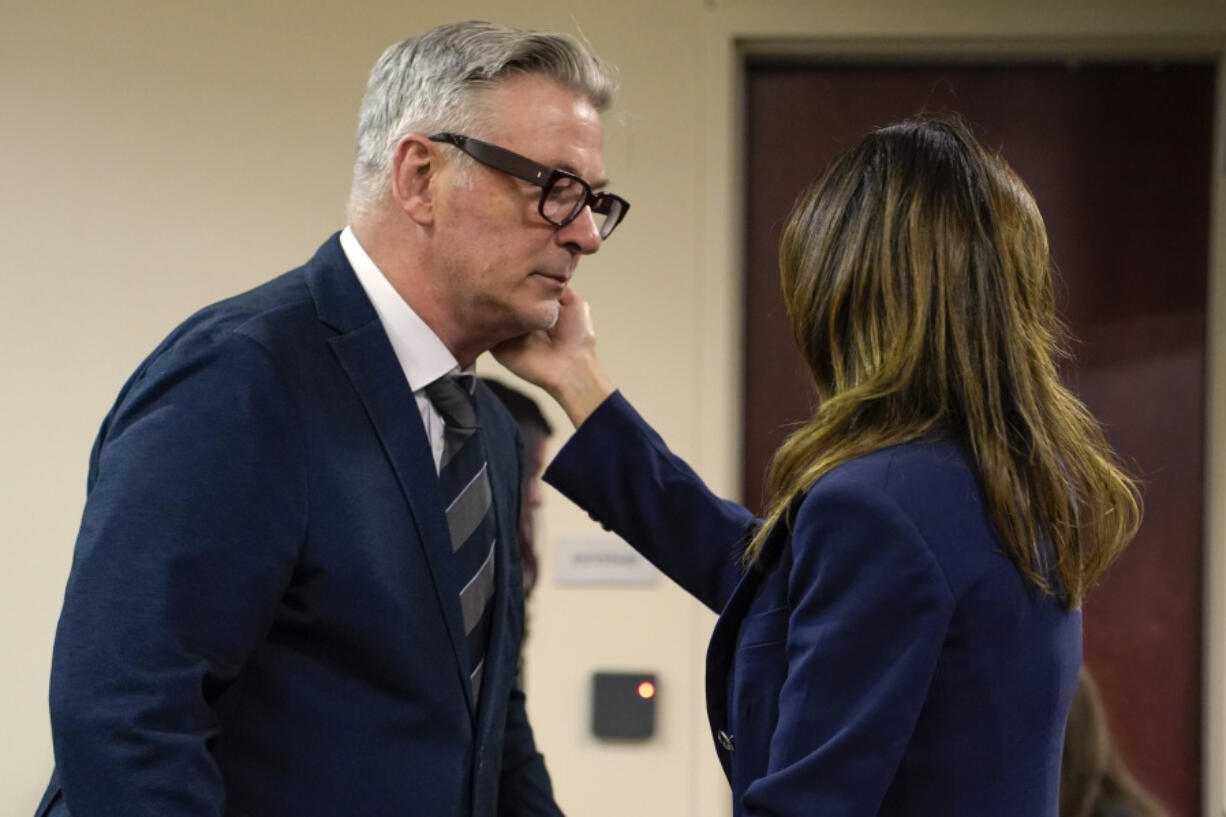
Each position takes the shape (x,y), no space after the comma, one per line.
(917,281)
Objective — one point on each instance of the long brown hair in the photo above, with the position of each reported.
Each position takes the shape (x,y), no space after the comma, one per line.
(1093,776)
(916,276)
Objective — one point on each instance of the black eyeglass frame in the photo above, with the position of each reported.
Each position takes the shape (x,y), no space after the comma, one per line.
(612,207)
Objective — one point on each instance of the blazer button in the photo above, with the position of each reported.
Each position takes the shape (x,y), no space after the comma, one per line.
(726,741)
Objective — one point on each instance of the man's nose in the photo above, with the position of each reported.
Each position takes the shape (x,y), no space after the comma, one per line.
(581,234)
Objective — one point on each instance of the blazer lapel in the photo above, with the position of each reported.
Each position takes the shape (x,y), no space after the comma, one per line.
(502,656)
(365,355)
(722,650)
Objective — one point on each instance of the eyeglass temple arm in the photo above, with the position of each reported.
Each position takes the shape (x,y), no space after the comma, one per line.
(499,158)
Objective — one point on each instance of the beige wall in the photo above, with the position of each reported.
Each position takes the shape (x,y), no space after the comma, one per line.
(155,156)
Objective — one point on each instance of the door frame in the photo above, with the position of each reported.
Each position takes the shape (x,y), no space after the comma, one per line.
(735,31)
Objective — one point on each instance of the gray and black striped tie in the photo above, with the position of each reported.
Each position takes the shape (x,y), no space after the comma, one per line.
(465,483)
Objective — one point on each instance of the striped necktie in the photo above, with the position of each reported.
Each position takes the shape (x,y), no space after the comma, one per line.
(465,483)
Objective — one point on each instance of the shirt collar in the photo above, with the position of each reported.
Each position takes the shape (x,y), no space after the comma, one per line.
(422,354)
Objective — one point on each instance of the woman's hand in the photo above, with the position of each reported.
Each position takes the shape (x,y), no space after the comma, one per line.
(562,360)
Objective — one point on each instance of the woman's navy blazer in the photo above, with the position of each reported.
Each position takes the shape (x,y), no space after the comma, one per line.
(883,657)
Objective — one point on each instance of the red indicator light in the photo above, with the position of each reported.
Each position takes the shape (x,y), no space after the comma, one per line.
(647,690)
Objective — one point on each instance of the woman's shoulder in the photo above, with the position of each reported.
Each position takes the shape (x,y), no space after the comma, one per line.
(927,489)
(925,467)
(911,481)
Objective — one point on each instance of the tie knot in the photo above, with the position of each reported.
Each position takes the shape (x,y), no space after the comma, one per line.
(452,396)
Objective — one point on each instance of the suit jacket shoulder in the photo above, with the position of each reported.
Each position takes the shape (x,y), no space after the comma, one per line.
(935,486)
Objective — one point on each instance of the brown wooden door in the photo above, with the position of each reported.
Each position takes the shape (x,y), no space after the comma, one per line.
(1118,157)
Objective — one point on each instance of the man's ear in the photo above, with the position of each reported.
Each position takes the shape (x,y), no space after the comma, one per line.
(415,167)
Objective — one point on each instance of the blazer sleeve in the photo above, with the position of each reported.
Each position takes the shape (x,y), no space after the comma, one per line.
(620,471)
(195,512)
(870,607)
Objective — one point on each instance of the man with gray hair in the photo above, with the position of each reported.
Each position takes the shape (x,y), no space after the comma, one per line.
(296,590)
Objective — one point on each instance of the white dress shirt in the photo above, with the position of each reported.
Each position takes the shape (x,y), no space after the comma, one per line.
(422,355)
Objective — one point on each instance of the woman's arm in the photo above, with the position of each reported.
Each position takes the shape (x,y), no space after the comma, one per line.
(619,470)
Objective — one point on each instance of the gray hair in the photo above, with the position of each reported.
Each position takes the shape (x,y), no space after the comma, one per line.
(432,83)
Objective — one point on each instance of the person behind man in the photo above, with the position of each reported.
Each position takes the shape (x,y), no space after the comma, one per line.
(1094,779)
(293,591)
(534,430)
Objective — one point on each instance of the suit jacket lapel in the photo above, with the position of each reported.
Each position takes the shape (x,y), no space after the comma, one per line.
(502,656)
(365,354)
(721,652)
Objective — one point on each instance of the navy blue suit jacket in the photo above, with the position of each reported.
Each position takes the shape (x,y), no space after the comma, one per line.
(262,616)
(884,657)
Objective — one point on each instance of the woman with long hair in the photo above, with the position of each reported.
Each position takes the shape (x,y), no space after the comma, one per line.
(1094,780)
(901,634)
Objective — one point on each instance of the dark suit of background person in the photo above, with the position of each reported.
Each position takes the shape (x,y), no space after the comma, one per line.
(263,613)
(534,429)
(901,636)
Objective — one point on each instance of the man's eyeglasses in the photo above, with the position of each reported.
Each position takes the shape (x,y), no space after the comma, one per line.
(563,194)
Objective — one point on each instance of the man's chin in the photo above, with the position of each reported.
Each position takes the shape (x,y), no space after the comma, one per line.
(542,318)
(547,315)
